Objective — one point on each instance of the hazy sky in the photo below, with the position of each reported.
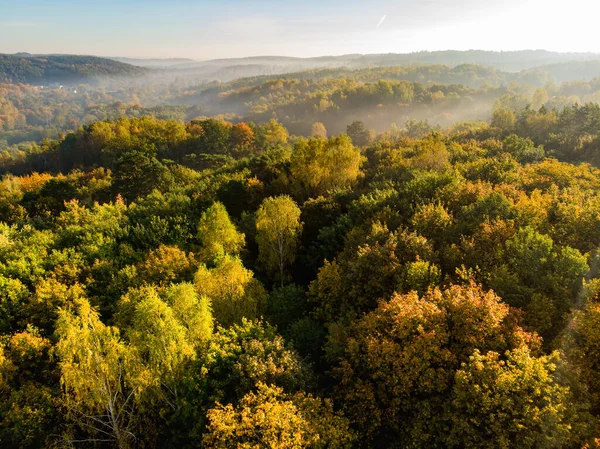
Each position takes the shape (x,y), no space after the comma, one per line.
(231,28)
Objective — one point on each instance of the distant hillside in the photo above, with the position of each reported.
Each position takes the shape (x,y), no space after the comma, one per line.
(496,67)
(512,61)
(571,71)
(169,62)
(63,69)
(508,61)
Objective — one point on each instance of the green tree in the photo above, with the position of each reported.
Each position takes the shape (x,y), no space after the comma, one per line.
(271,135)
(211,136)
(137,174)
(360,135)
(235,362)
(159,345)
(218,234)
(286,305)
(278,232)
(584,350)
(191,310)
(242,356)
(374,264)
(504,119)
(511,401)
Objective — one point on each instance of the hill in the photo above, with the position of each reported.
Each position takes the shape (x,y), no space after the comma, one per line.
(575,65)
(153,62)
(63,69)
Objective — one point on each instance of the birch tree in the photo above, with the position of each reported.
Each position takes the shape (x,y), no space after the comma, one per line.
(278,231)
(92,360)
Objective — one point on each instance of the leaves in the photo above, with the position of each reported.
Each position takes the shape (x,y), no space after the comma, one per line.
(278,232)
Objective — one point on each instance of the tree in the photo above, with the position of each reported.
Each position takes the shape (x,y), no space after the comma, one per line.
(166,264)
(359,134)
(270,418)
(523,149)
(541,278)
(584,350)
(137,174)
(318,130)
(271,135)
(211,136)
(286,305)
(232,291)
(234,363)
(321,165)
(510,401)
(191,310)
(504,119)
(374,264)
(278,231)
(242,139)
(30,411)
(240,357)
(92,361)
(539,99)
(218,234)
(159,346)
(397,364)
(417,129)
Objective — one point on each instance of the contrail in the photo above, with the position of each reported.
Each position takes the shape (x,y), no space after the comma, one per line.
(380,21)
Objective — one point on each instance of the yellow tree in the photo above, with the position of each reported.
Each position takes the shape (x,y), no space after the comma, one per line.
(399,361)
(278,231)
(232,290)
(92,360)
(539,99)
(320,165)
(584,351)
(272,419)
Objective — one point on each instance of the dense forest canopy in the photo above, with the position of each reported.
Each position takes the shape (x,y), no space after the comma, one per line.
(339,257)
(67,69)
(379,96)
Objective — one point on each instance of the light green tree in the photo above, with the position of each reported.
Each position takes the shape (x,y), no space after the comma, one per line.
(191,310)
(159,346)
(218,234)
(278,231)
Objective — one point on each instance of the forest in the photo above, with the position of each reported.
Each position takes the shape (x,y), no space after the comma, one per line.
(68,69)
(46,96)
(232,285)
(352,253)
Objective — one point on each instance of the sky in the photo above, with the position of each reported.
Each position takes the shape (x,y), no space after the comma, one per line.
(236,28)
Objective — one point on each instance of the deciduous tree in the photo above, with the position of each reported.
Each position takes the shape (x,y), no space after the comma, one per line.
(278,232)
